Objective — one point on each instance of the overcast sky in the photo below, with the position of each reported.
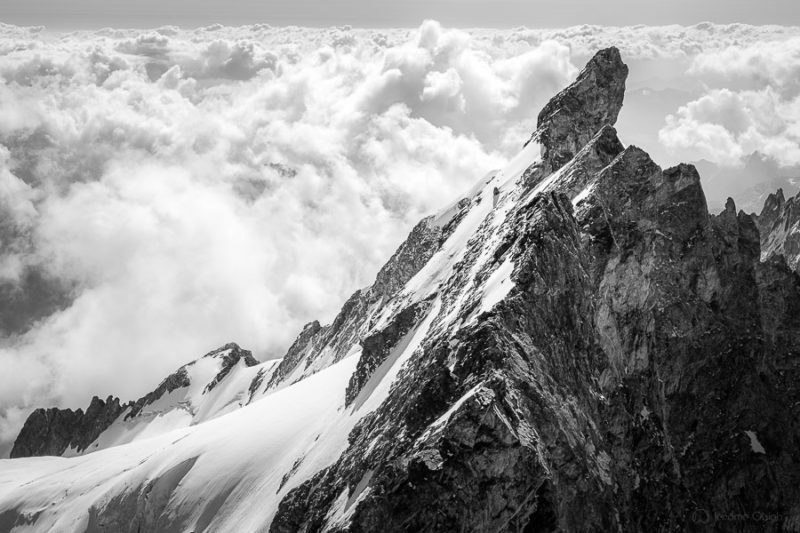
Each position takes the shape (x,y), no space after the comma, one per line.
(81,14)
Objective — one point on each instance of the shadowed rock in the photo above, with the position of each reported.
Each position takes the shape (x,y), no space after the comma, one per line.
(572,117)
(779,226)
(52,431)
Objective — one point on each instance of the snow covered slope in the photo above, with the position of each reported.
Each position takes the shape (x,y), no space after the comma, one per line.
(571,346)
(216,384)
(216,476)
(219,382)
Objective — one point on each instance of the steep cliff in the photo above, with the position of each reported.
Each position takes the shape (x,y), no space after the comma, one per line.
(779,226)
(52,431)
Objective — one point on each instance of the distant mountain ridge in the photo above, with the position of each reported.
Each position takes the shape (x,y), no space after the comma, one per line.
(749,185)
(779,227)
(181,396)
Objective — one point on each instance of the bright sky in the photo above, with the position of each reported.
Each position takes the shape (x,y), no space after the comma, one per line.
(79,14)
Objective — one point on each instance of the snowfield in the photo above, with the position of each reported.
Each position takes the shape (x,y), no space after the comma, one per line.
(208,472)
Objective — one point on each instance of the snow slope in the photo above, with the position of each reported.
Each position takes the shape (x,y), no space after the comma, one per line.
(212,387)
(238,459)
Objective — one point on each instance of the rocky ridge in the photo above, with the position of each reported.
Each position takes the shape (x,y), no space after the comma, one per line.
(52,431)
(637,376)
(56,431)
(779,227)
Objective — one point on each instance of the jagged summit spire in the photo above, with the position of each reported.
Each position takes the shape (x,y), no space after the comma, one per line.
(573,116)
(730,206)
(774,203)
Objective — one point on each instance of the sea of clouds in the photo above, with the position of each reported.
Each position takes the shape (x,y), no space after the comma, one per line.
(165,191)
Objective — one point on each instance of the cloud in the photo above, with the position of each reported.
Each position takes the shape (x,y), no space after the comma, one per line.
(177,189)
(149,44)
(774,63)
(725,126)
(751,104)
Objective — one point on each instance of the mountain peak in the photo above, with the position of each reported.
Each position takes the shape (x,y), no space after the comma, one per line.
(232,352)
(57,431)
(730,206)
(779,227)
(573,116)
(774,203)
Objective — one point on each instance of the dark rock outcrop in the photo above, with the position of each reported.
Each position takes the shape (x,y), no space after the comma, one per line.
(576,114)
(310,337)
(779,226)
(230,354)
(376,347)
(52,431)
(176,380)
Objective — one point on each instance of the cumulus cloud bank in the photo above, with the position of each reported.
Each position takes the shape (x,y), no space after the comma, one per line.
(753,105)
(165,191)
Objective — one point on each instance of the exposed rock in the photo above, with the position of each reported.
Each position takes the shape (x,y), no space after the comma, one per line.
(779,226)
(230,354)
(255,384)
(176,380)
(411,256)
(306,342)
(52,431)
(377,346)
(574,115)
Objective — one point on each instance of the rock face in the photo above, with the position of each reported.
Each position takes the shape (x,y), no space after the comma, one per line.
(52,431)
(641,374)
(779,225)
(585,349)
(575,114)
